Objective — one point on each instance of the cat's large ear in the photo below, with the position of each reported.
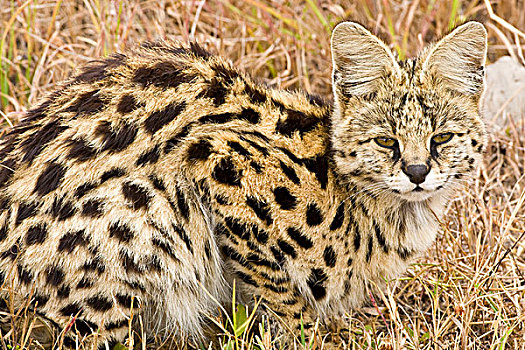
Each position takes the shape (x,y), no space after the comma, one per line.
(458,60)
(359,60)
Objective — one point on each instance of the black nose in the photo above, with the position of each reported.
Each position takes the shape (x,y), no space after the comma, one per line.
(417,173)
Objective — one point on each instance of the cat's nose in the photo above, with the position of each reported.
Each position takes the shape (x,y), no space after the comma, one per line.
(416,173)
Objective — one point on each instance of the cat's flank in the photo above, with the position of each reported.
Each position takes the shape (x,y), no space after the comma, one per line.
(161,176)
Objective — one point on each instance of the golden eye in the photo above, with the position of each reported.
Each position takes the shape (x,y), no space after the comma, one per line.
(442,138)
(386,142)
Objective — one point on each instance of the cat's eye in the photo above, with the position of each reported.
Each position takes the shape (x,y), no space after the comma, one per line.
(442,138)
(386,142)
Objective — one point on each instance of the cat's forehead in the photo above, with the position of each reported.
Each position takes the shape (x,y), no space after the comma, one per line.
(409,108)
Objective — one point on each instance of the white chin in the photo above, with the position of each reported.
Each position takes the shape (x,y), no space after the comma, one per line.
(414,196)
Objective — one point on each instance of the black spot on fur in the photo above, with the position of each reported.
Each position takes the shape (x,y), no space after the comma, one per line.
(129,263)
(85,283)
(127,104)
(115,138)
(135,285)
(72,309)
(150,157)
(183,206)
(318,166)
(258,260)
(163,75)
(166,247)
(255,145)
(284,198)
(111,174)
(63,292)
(25,276)
(222,200)
(81,150)
(138,195)
(40,112)
(33,145)
(4,203)
(99,70)
(182,234)
(329,256)
(83,189)
(99,303)
(315,282)
(381,238)
(157,183)
(160,118)
(173,142)
(370,246)
(121,231)
(199,51)
(315,100)
(11,252)
(296,122)
(404,253)
(237,228)
(36,234)
(226,173)
(276,289)
(292,156)
(7,169)
(225,73)
(287,248)
(215,91)
(290,173)
(339,217)
(109,326)
(250,115)
(261,209)
(71,240)
(85,327)
(25,210)
(260,235)
(256,166)
(54,275)
(254,94)
(87,103)
(49,179)
(200,150)
(95,264)
(93,208)
(235,256)
(218,118)
(314,217)
(246,278)
(125,300)
(298,237)
(62,209)
(357,237)
(39,300)
(236,147)
(278,255)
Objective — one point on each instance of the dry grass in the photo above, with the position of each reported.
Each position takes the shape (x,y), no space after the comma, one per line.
(468,292)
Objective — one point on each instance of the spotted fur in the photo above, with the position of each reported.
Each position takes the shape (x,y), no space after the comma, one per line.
(158,177)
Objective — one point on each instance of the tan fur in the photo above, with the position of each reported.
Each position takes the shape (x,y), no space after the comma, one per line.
(215,178)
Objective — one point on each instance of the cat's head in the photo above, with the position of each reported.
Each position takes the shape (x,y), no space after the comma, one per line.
(410,128)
